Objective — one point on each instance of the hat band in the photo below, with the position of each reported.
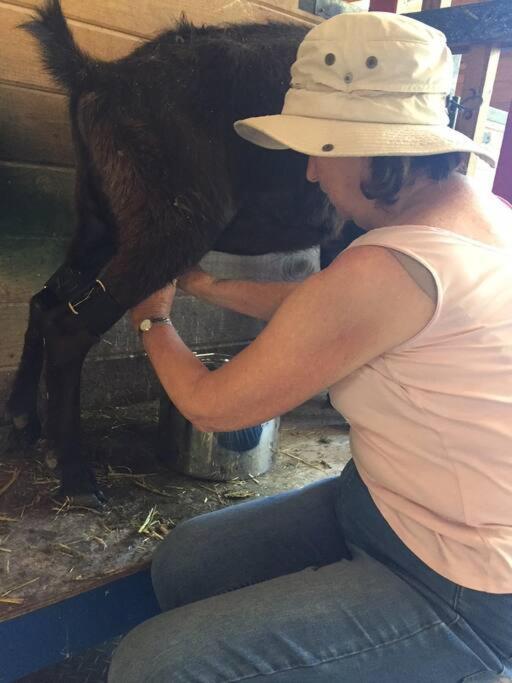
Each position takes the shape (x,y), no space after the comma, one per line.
(371,106)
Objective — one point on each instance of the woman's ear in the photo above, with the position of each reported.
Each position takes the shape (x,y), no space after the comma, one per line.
(311,170)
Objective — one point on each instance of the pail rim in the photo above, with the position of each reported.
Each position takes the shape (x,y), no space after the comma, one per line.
(213,360)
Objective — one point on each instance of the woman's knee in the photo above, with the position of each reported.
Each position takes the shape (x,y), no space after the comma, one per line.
(147,652)
(176,560)
(128,660)
(192,562)
(244,544)
(194,642)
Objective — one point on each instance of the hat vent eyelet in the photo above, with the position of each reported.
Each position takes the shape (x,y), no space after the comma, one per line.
(372,62)
(330,59)
(327,148)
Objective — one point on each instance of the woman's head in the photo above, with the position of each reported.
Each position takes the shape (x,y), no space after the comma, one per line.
(369,190)
(366,85)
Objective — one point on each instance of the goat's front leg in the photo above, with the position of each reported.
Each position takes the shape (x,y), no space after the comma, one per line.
(67,343)
(63,422)
(56,333)
(69,332)
(72,328)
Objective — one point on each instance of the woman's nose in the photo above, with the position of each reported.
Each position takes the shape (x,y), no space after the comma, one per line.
(311,171)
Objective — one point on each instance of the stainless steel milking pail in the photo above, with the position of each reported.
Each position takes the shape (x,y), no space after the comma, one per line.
(219,456)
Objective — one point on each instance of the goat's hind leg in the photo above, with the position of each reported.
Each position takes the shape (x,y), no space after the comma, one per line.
(22,403)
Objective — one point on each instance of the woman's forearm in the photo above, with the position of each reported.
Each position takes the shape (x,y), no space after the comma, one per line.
(256,299)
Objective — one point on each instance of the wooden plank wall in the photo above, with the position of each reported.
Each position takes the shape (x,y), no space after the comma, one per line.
(37,177)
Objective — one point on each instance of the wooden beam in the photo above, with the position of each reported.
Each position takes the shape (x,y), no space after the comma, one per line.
(503,179)
(485,22)
(481,65)
(53,633)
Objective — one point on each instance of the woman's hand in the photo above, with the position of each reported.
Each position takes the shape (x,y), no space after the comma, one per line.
(196,281)
(158,305)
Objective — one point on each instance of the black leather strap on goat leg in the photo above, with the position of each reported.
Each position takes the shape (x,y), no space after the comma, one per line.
(85,297)
(96,308)
(68,282)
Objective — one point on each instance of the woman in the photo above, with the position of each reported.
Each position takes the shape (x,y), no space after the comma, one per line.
(399,570)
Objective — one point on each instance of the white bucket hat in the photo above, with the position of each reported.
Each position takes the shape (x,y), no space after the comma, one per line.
(363,85)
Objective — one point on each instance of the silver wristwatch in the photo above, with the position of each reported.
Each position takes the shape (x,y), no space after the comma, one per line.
(146,324)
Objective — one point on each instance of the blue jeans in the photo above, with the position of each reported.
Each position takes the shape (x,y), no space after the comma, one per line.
(264,591)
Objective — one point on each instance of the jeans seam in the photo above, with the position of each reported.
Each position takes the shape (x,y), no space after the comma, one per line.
(351,472)
(350,654)
(346,477)
(482,671)
(456,599)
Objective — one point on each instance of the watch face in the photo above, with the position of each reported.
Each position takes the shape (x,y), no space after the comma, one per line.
(145,325)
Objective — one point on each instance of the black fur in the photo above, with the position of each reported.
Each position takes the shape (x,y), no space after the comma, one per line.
(69,66)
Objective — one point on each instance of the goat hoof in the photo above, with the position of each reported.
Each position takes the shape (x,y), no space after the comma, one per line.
(95,500)
(46,451)
(79,485)
(25,431)
(51,460)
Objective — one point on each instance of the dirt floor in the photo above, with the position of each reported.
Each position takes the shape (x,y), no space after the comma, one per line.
(49,549)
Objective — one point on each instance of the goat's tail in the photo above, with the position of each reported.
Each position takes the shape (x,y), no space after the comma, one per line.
(62,57)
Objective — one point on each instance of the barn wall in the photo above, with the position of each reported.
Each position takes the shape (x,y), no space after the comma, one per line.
(37,179)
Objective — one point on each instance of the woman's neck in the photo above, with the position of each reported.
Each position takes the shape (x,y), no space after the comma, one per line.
(418,201)
(457,204)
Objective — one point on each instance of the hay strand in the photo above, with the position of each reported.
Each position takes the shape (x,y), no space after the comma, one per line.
(10,482)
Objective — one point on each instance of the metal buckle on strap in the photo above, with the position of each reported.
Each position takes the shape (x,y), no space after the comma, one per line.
(76,304)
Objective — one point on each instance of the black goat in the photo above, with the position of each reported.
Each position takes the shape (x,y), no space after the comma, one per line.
(161,179)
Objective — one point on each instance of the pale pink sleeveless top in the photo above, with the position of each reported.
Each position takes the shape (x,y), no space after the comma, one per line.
(431,420)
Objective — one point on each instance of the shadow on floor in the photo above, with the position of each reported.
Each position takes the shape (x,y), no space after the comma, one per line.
(90,666)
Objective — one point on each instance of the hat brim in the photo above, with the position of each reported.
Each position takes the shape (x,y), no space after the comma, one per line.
(335,138)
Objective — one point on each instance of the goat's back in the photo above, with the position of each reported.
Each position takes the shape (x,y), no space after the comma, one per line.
(189,85)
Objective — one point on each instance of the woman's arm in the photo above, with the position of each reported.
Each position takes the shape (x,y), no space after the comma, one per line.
(256,299)
(361,306)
